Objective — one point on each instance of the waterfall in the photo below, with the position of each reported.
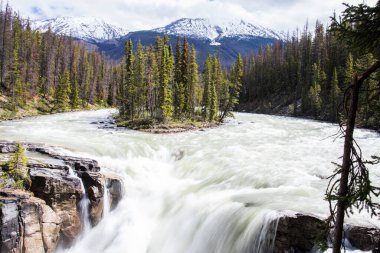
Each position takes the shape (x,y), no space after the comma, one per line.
(106,200)
(263,242)
(220,197)
(83,204)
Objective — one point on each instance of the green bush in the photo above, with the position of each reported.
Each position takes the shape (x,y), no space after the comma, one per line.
(17,169)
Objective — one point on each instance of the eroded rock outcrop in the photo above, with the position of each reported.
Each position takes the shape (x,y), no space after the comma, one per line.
(62,193)
(27,223)
(53,213)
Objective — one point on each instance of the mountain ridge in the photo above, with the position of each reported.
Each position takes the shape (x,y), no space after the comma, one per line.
(226,39)
(89,29)
(206,29)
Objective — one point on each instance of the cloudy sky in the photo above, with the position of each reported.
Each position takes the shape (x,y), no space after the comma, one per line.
(285,15)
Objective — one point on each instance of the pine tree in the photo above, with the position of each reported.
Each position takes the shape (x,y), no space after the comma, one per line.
(111,88)
(129,89)
(213,100)
(140,84)
(234,88)
(334,95)
(18,89)
(178,95)
(349,70)
(152,79)
(165,89)
(314,92)
(62,93)
(74,96)
(184,77)
(207,89)
(18,170)
(192,80)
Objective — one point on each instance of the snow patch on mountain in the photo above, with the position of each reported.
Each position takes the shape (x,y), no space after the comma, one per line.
(201,28)
(89,29)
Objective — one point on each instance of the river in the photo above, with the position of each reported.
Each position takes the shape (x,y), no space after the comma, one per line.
(202,191)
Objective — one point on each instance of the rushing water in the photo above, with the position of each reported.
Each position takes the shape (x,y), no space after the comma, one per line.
(204,191)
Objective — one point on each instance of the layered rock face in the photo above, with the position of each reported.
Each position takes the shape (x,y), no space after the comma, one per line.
(36,223)
(27,223)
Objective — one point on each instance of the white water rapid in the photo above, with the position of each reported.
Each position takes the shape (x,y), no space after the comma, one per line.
(209,191)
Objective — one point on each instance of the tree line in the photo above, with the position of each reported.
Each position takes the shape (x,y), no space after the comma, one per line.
(58,72)
(164,86)
(309,72)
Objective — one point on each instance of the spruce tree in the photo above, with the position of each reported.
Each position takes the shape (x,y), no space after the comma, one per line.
(141,89)
(213,100)
(207,89)
(178,85)
(18,170)
(334,95)
(165,89)
(349,70)
(129,81)
(234,88)
(17,87)
(62,93)
(74,96)
(184,77)
(314,92)
(192,80)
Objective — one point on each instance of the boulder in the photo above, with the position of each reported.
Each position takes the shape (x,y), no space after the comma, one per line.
(7,147)
(27,224)
(297,232)
(94,183)
(115,188)
(363,238)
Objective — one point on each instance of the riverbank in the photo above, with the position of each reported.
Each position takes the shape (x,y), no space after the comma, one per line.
(287,110)
(34,107)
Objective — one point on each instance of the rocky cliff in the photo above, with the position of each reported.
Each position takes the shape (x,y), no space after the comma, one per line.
(50,213)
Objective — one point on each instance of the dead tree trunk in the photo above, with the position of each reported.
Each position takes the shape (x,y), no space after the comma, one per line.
(346,162)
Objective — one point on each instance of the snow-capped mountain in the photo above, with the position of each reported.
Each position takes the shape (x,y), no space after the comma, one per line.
(227,39)
(200,28)
(90,29)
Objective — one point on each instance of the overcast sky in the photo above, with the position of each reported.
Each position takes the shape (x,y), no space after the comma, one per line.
(284,15)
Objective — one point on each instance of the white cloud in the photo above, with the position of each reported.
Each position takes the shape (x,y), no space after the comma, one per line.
(146,14)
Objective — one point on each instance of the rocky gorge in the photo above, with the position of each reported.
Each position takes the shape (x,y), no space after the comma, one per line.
(50,213)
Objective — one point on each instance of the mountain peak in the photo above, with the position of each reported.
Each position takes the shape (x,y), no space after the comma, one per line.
(201,28)
(90,29)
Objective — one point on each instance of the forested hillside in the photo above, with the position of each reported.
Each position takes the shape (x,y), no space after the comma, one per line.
(45,72)
(307,76)
(48,73)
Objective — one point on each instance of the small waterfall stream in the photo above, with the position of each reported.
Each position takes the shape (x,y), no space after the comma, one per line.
(83,204)
(106,200)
